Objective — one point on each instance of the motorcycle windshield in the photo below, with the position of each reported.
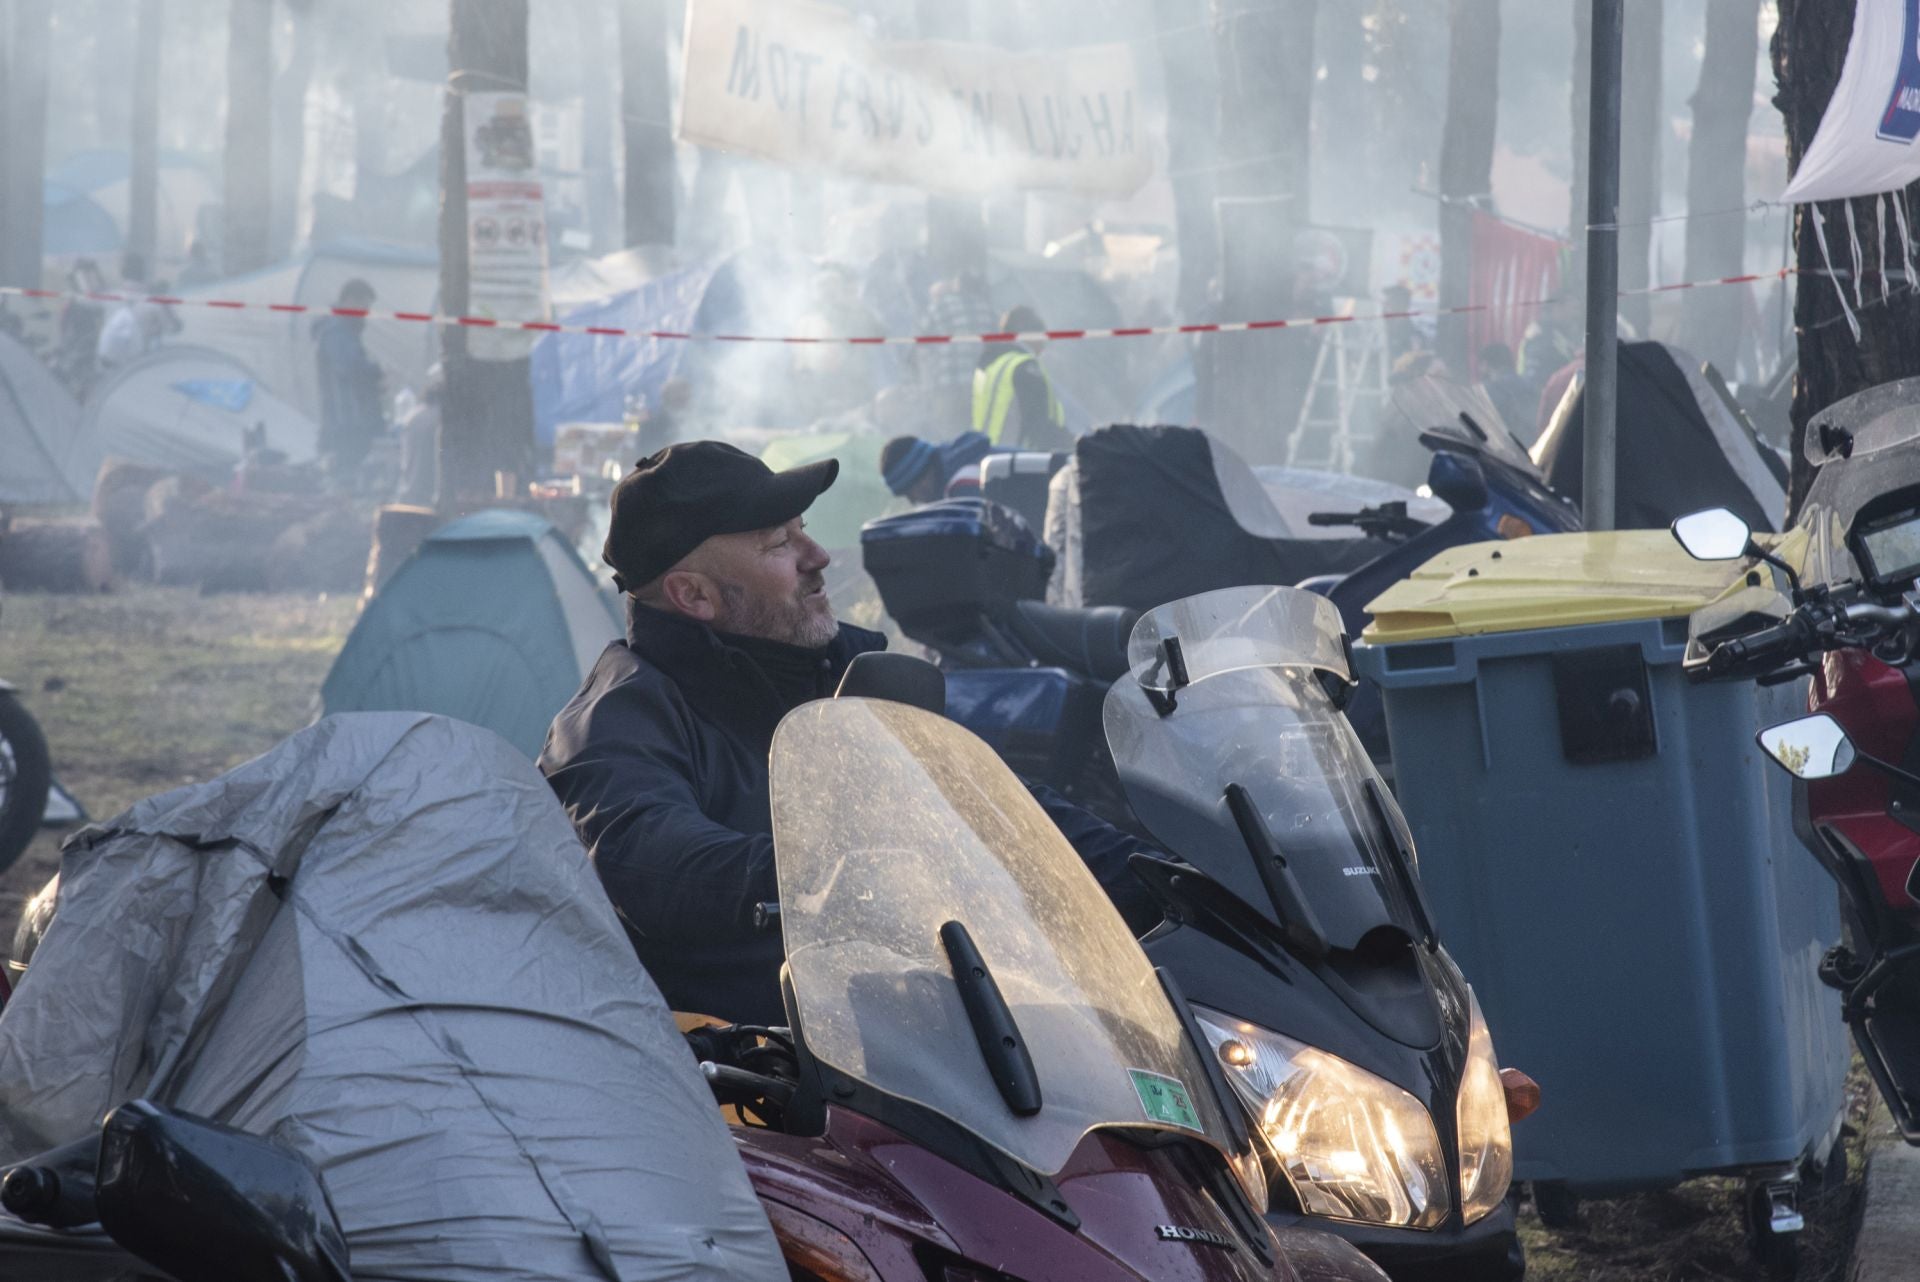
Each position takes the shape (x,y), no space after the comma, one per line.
(1435,402)
(889,823)
(1255,715)
(1877,419)
(1237,628)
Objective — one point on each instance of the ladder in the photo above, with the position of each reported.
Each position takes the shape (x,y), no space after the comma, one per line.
(1345,395)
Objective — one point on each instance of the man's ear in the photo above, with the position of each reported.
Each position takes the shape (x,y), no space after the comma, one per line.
(690,593)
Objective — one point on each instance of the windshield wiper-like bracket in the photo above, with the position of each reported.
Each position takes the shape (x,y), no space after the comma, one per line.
(1402,865)
(1171,660)
(1299,924)
(1003,1048)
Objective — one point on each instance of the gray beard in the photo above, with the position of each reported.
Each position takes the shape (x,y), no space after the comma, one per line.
(789,622)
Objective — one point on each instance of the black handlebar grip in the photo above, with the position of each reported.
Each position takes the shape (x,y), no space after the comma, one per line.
(1761,649)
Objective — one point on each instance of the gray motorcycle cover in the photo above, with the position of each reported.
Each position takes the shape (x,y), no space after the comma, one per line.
(381,944)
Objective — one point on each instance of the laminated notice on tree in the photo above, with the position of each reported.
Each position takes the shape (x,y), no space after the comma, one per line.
(506,225)
(807,85)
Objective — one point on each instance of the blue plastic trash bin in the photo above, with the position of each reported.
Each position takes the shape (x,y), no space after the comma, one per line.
(1611,860)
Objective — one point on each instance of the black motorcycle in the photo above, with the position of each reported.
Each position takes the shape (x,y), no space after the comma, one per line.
(26,776)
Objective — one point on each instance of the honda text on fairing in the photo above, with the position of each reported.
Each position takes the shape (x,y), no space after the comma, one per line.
(1850,621)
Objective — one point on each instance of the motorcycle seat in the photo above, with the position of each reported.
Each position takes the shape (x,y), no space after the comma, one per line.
(1092,641)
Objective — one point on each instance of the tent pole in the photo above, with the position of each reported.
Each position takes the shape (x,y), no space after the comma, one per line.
(1603,270)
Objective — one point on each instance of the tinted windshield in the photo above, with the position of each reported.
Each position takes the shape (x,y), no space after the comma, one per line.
(1436,402)
(1877,419)
(890,822)
(1264,722)
(1238,628)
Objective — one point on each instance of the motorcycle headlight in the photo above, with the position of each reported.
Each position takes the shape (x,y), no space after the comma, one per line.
(1352,1146)
(1486,1138)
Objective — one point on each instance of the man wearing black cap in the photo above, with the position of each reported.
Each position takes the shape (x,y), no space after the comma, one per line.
(661,758)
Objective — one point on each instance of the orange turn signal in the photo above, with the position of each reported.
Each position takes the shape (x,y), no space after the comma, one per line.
(1523,1094)
(1512,527)
(815,1248)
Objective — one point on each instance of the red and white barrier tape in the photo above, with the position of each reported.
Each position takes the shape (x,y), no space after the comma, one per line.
(906,340)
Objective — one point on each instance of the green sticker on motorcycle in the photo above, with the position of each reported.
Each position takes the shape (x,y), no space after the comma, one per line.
(1164,1099)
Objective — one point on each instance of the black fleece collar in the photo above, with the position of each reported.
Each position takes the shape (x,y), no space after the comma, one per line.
(723,681)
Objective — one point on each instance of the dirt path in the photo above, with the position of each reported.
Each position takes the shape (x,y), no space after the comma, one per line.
(148,688)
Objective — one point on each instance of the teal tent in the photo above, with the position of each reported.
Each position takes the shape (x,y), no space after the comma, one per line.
(495,620)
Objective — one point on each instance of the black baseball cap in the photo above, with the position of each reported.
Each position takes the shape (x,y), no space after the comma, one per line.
(675,500)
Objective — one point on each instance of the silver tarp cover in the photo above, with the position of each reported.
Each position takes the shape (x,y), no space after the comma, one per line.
(380,944)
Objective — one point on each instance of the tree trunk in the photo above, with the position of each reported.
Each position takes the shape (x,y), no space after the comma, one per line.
(112,55)
(646,123)
(1466,156)
(143,185)
(290,127)
(25,143)
(1251,384)
(1579,102)
(248,223)
(366,87)
(1641,122)
(487,417)
(1717,180)
(1809,49)
(1265,52)
(1187,57)
(600,110)
(956,225)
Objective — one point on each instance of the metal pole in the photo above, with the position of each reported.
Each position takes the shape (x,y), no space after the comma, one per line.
(1603,269)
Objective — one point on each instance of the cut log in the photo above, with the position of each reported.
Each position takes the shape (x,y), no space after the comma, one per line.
(324,553)
(398,529)
(120,505)
(217,541)
(55,556)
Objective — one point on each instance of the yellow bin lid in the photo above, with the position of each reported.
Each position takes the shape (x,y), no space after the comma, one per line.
(1552,581)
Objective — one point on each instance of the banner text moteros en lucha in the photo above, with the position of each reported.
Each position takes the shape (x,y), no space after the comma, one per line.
(806,85)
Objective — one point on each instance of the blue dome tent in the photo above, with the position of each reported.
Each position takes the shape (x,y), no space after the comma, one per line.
(494,620)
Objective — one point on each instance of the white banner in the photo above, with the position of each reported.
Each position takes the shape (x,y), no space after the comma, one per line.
(506,225)
(1866,141)
(805,85)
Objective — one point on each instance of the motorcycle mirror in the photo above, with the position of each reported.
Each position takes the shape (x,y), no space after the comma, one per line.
(1713,535)
(207,1203)
(1810,748)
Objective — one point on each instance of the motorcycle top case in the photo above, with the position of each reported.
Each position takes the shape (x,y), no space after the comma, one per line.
(1611,859)
(941,566)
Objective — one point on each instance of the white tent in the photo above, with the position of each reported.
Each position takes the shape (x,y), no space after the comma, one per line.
(279,346)
(381,945)
(186,409)
(39,427)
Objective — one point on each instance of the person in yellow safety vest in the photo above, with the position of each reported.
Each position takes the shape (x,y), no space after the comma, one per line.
(1014,405)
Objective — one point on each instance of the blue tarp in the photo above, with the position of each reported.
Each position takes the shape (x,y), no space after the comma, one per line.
(582,378)
(230,394)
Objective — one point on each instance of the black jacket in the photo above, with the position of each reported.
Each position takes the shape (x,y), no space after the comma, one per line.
(661,762)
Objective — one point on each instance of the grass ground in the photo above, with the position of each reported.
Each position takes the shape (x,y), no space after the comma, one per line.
(1695,1231)
(147,688)
(150,688)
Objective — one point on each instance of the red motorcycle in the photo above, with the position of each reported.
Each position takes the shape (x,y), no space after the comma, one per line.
(1851,623)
